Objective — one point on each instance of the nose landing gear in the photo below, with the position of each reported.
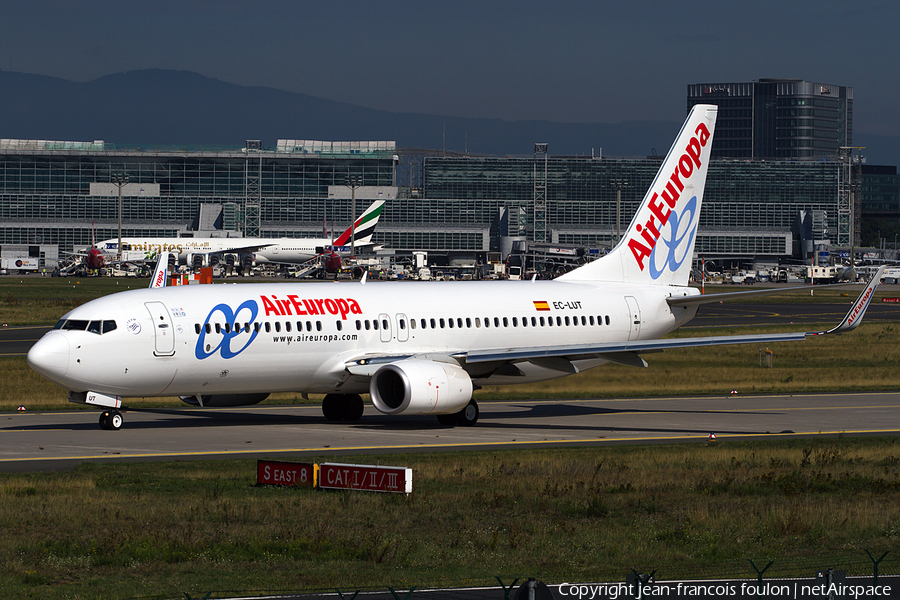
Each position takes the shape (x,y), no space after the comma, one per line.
(111,420)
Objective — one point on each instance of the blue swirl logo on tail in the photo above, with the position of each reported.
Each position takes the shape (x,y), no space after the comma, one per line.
(678,236)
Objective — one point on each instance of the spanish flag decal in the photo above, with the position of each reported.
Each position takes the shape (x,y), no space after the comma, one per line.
(541,305)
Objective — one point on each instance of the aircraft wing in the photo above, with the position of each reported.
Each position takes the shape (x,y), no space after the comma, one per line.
(626,352)
(235,250)
(725,296)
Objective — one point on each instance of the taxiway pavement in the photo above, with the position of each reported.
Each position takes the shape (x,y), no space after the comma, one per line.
(31,441)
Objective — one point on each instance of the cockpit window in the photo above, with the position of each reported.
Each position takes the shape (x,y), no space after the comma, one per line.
(98,327)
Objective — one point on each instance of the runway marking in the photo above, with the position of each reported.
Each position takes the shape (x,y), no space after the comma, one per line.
(328,450)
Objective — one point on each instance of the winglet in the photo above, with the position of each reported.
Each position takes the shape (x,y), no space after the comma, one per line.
(855,316)
(159,275)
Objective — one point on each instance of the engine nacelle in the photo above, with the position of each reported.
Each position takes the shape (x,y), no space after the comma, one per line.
(222,400)
(195,261)
(420,387)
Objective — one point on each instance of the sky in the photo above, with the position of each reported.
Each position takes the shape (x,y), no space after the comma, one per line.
(566,61)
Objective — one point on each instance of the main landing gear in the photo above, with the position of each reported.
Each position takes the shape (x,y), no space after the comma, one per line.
(467,416)
(342,407)
(111,420)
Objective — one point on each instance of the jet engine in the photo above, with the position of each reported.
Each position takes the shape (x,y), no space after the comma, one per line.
(195,261)
(420,387)
(221,400)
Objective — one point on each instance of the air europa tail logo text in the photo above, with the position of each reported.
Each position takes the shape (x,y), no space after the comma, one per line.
(645,236)
(295,305)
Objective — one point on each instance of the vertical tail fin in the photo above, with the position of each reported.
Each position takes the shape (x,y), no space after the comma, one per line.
(658,245)
(162,268)
(365,226)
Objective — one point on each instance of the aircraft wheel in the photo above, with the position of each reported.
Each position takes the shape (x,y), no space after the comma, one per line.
(353,407)
(115,420)
(104,420)
(448,420)
(332,407)
(468,415)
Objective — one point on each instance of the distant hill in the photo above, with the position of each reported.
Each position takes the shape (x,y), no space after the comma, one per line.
(158,107)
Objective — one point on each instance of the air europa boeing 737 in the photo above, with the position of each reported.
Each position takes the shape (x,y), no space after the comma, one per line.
(415,348)
(197,251)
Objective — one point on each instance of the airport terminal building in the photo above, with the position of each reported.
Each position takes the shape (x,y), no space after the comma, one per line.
(755,208)
(60,193)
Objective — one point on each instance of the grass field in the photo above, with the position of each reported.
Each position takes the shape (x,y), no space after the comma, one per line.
(591,514)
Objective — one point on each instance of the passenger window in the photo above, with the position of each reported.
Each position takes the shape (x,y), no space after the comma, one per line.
(450,323)
(375,324)
(256,327)
(559,321)
(567,320)
(412,323)
(487,322)
(339,325)
(549,321)
(268,327)
(309,325)
(515,322)
(401,323)
(287,326)
(219,328)
(432,324)
(542,321)
(385,324)
(468,323)
(505,322)
(459,322)
(496,322)
(367,324)
(318,325)
(591,318)
(277,326)
(533,321)
(442,323)
(358,324)
(197,328)
(607,319)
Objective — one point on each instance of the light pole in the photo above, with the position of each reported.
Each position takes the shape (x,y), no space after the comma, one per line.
(120,180)
(618,184)
(353,182)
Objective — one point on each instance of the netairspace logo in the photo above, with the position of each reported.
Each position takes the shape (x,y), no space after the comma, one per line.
(790,591)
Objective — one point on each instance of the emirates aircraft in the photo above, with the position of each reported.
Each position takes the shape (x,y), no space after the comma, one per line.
(416,348)
(197,251)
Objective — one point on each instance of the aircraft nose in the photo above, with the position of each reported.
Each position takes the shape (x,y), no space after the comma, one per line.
(50,355)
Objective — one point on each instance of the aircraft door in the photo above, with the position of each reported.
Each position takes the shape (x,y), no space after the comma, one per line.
(164,333)
(634,318)
(384,325)
(402,327)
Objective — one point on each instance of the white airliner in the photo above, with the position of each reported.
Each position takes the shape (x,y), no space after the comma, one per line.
(191,251)
(416,348)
